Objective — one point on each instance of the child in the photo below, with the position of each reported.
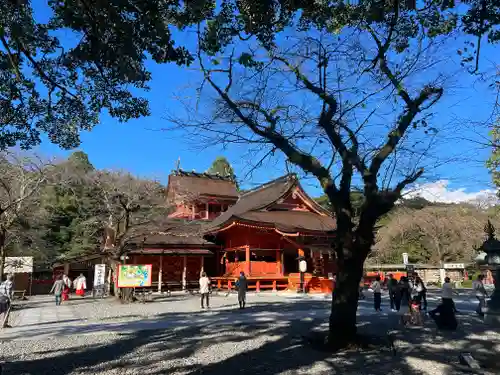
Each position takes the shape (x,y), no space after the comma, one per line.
(415,314)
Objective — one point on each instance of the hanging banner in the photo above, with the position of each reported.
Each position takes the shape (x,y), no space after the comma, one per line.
(134,275)
(99,275)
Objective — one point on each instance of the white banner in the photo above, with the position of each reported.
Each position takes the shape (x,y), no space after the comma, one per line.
(99,275)
(18,265)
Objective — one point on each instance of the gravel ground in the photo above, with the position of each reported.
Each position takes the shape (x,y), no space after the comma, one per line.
(228,341)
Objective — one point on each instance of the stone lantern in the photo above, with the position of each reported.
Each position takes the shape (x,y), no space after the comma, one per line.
(489,254)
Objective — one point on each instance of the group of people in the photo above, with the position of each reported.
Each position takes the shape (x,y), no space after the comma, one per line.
(410,300)
(241,285)
(62,287)
(402,293)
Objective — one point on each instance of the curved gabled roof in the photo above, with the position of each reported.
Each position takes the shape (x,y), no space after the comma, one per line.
(252,204)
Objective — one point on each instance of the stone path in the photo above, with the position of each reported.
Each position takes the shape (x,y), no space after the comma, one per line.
(174,336)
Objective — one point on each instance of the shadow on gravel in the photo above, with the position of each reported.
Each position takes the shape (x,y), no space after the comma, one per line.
(232,345)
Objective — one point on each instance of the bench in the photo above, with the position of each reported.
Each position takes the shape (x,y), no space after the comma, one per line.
(19,294)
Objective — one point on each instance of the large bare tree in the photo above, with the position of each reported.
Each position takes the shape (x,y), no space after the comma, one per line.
(21,176)
(348,106)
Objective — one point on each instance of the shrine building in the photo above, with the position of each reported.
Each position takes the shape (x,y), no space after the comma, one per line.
(223,231)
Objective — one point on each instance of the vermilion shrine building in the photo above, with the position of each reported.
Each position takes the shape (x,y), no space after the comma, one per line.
(261,232)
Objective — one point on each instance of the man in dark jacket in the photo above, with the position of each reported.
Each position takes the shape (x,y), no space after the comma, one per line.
(242,285)
(392,286)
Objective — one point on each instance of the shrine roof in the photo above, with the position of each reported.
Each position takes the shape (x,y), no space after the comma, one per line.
(177,232)
(292,221)
(251,206)
(191,185)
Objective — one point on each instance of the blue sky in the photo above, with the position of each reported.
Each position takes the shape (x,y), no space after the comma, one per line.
(139,146)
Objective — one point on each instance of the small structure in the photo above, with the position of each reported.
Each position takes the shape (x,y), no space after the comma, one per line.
(22,269)
(489,254)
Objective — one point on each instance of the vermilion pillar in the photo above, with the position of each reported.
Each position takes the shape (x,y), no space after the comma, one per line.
(278,263)
(247,260)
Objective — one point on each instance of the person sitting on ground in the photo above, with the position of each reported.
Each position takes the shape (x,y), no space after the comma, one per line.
(204,289)
(444,316)
(242,285)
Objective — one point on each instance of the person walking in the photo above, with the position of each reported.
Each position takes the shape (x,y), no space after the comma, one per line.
(242,285)
(421,291)
(447,294)
(80,285)
(204,290)
(377,293)
(481,295)
(392,285)
(67,286)
(57,289)
(6,295)
(404,300)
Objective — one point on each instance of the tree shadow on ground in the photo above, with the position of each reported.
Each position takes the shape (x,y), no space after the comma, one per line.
(233,341)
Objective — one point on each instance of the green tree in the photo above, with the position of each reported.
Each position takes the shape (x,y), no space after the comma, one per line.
(70,205)
(59,86)
(222,167)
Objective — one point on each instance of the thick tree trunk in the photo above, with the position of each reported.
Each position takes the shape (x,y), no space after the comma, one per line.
(342,330)
(125,295)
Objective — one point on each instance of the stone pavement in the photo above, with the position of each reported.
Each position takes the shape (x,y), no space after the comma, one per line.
(40,318)
(115,335)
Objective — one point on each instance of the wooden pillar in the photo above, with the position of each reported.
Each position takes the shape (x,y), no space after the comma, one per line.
(278,263)
(160,273)
(184,272)
(206,210)
(202,265)
(247,260)
(108,280)
(66,269)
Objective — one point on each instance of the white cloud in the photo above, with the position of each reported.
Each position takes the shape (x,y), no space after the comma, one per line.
(439,191)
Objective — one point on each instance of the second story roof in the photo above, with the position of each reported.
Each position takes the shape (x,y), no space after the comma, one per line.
(184,185)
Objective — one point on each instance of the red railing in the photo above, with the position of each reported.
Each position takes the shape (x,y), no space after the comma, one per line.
(257,268)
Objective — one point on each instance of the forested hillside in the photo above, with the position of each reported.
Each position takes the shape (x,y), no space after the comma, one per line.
(61,209)
(53,210)
(429,232)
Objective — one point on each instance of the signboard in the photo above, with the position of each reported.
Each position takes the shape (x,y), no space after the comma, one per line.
(405,258)
(454,265)
(99,275)
(134,275)
(18,265)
